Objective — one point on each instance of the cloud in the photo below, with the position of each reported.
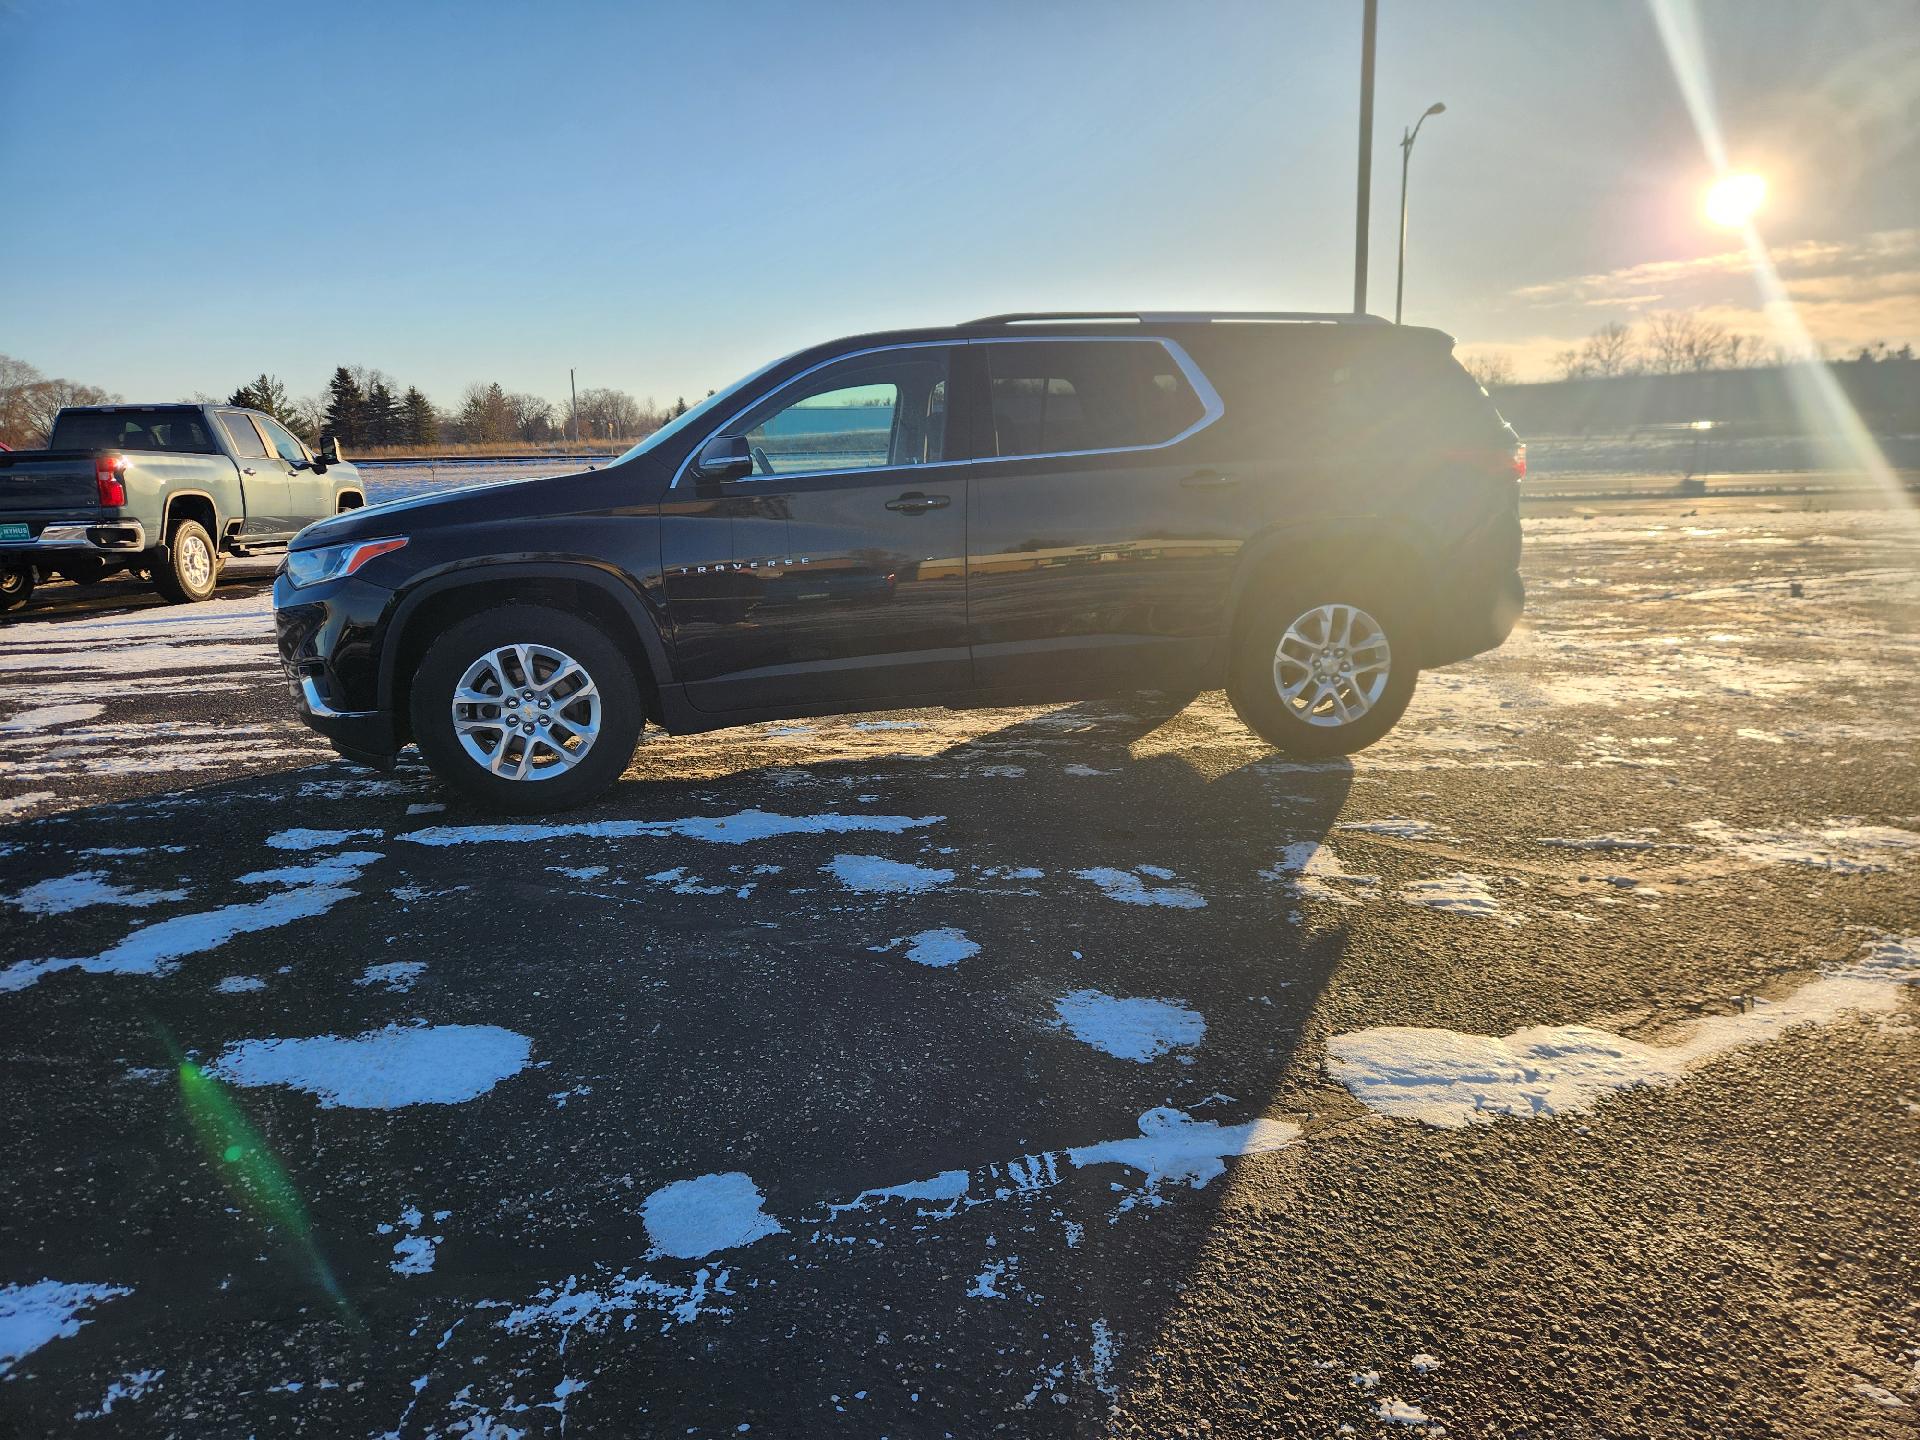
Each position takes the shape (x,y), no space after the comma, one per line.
(1881,255)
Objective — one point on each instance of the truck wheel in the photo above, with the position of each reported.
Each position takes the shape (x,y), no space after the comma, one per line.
(16,584)
(1324,667)
(526,709)
(190,566)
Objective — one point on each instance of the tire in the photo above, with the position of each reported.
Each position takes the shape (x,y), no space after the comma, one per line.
(189,568)
(16,586)
(489,654)
(1359,629)
(85,570)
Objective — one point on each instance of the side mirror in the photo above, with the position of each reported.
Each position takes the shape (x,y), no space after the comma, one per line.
(725,457)
(326,453)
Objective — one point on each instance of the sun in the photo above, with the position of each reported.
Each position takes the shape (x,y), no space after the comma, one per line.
(1733,200)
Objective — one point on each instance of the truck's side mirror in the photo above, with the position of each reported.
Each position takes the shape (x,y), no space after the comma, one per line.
(725,457)
(326,453)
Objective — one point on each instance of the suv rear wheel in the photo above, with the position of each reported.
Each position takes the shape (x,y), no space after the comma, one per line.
(526,709)
(1324,667)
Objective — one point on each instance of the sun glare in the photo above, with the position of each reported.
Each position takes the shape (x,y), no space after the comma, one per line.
(1733,200)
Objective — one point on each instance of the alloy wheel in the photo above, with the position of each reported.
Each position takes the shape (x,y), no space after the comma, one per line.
(1331,665)
(526,712)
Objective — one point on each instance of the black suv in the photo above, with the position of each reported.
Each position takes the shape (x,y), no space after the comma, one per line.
(1306,509)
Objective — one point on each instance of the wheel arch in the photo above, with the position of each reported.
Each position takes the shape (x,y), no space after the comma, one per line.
(1371,543)
(192,505)
(577,588)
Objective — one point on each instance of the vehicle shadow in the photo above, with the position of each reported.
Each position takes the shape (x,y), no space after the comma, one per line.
(58,599)
(713,1008)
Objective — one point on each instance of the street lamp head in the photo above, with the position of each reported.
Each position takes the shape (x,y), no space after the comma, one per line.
(1437,108)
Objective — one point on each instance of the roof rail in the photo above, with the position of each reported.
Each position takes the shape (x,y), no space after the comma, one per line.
(1185,317)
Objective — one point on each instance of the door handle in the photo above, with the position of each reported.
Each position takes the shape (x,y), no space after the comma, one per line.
(246,470)
(913,502)
(1209,480)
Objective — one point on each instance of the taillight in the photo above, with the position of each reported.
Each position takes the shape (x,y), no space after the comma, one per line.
(110,479)
(1501,464)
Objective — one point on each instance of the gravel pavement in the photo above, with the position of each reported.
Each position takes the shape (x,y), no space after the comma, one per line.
(1548,1070)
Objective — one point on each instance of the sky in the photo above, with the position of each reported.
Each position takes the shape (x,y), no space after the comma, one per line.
(664,197)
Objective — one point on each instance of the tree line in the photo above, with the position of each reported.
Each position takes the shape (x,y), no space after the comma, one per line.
(363,408)
(1668,342)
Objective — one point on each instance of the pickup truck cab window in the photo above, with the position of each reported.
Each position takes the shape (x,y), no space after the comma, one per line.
(1064,397)
(870,411)
(288,448)
(245,440)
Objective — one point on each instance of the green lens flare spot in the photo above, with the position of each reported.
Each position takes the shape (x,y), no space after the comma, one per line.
(232,1152)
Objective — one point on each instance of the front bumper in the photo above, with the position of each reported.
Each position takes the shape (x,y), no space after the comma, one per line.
(89,537)
(328,636)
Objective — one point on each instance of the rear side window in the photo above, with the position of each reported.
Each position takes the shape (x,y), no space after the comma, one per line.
(1053,397)
(181,431)
(1407,396)
(242,436)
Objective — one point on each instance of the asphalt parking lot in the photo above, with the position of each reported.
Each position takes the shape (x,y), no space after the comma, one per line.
(1549,1069)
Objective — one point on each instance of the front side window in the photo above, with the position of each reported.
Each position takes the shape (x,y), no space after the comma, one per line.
(244,438)
(288,448)
(862,413)
(1054,397)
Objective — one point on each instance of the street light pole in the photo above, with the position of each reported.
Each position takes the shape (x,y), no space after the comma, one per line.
(1407,137)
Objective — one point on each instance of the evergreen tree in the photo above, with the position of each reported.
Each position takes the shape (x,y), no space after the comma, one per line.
(265,392)
(345,406)
(381,415)
(419,424)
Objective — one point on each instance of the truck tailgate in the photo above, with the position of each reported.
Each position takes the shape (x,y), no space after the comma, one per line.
(30,482)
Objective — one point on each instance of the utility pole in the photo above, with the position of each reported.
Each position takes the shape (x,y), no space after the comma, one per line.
(1407,137)
(574,391)
(1364,207)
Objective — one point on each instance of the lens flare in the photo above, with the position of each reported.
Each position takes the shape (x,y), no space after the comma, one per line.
(1733,200)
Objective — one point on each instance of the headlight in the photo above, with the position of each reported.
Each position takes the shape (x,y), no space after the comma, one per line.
(335,562)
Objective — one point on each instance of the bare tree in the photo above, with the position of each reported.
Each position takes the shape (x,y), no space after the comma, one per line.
(532,418)
(1608,351)
(609,415)
(1488,371)
(1569,364)
(29,401)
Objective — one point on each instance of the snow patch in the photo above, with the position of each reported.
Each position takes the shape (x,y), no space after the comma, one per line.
(32,1315)
(1311,871)
(937,948)
(1130,1029)
(1404,829)
(1450,1079)
(382,1069)
(1847,849)
(1460,894)
(1130,888)
(29,722)
(239,984)
(84,888)
(873,875)
(396,975)
(691,1219)
(1173,1146)
(302,839)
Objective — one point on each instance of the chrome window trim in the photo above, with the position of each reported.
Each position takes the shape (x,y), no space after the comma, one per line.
(1212,408)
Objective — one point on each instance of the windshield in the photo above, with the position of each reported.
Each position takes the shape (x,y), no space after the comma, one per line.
(698,413)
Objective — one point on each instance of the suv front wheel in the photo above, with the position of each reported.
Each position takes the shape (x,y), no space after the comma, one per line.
(526,709)
(1323,668)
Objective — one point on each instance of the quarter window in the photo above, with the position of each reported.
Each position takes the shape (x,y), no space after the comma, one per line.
(861,413)
(244,438)
(1059,396)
